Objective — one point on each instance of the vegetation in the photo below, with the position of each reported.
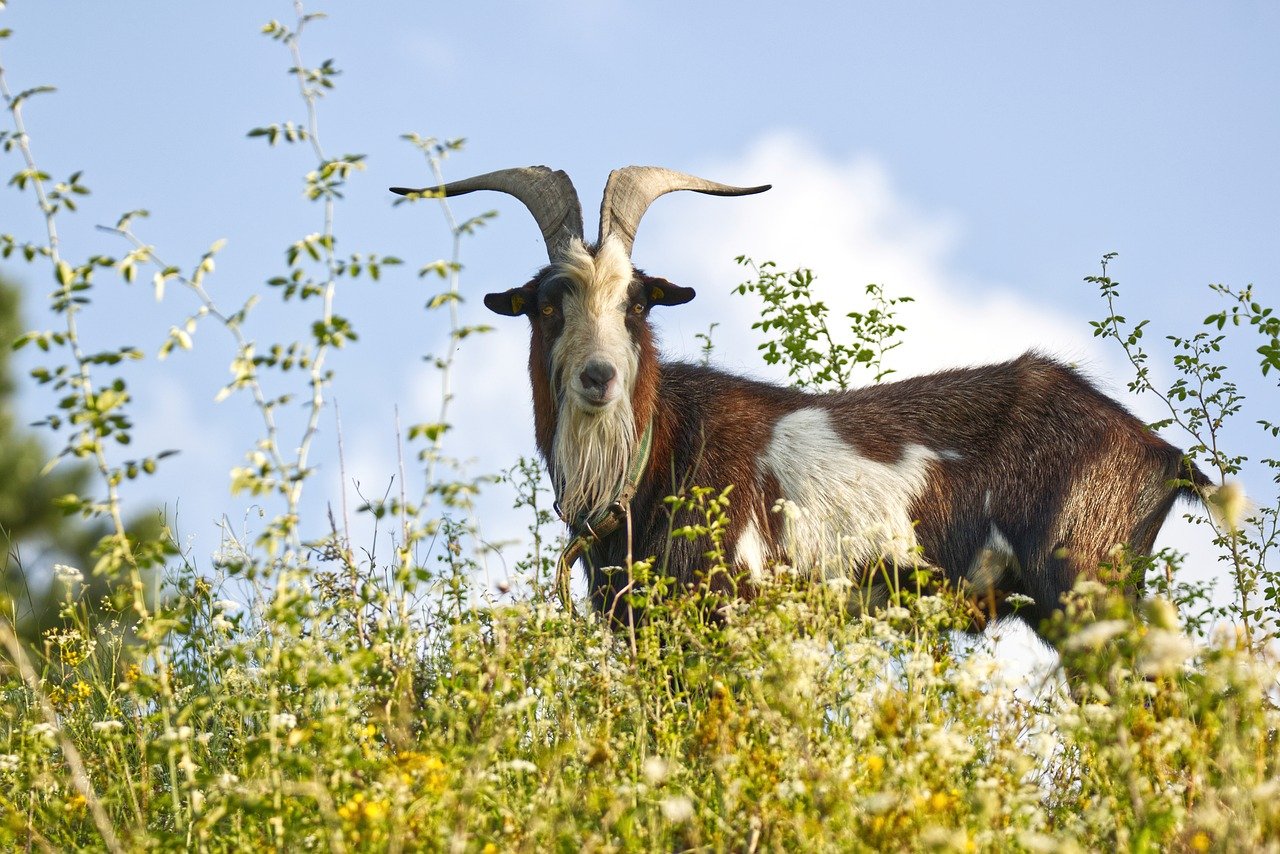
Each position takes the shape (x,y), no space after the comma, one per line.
(301,693)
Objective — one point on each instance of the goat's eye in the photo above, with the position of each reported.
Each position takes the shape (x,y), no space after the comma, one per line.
(638,308)
(548,310)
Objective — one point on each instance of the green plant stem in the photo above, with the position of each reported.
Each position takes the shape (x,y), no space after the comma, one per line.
(83,371)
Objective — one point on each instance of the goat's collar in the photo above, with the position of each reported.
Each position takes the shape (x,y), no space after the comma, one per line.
(588,532)
(594,527)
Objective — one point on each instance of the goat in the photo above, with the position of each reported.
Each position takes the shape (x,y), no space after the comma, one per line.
(1018,477)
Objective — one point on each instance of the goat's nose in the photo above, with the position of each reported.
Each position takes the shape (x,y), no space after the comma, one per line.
(596,376)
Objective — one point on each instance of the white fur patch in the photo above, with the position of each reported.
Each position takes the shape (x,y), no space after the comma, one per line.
(750,552)
(593,444)
(843,511)
(991,561)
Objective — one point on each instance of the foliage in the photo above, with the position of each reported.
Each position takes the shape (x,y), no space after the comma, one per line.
(35,534)
(311,693)
(27,512)
(1205,401)
(804,344)
(783,724)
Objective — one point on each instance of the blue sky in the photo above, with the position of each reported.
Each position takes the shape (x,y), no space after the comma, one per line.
(980,157)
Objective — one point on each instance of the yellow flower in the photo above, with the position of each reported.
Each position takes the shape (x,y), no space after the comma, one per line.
(489,848)
(875,764)
(375,810)
(76,804)
(351,808)
(429,769)
(1201,841)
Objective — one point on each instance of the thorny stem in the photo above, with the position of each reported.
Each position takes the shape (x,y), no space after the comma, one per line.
(85,376)
(1232,537)
(243,344)
(446,364)
(404,507)
(344,546)
(318,380)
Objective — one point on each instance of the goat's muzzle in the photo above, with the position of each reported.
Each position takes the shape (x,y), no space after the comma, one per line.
(598,384)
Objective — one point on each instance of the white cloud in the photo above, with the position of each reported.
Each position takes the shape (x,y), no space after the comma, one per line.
(844,219)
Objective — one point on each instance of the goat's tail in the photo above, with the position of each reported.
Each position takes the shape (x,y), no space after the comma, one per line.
(1226,502)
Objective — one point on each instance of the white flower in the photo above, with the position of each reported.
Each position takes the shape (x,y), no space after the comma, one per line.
(1265,793)
(880,802)
(1096,713)
(929,606)
(1038,842)
(919,666)
(9,762)
(656,769)
(949,748)
(788,789)
(68,575)
(227,606)
(107,726)
(975,672)
(44,732)
(1164,652)
(522,765)
(1019,600)
(285,721)
(221,623)
(677,810)
(1089,587)
(1096,635)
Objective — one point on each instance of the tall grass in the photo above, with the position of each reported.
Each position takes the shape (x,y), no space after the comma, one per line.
(783,723)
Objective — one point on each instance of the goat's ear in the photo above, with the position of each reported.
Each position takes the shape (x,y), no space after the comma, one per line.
(662,292)
(514,302)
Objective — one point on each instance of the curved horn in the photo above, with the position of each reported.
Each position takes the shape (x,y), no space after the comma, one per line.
(548,195)
(631,190)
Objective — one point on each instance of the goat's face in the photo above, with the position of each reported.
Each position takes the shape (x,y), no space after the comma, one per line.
(591,352)
(590,312)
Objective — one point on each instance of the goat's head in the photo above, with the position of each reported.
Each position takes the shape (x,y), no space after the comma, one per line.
(592,358)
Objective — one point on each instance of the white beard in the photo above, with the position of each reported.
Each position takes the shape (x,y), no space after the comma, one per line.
(592,453)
